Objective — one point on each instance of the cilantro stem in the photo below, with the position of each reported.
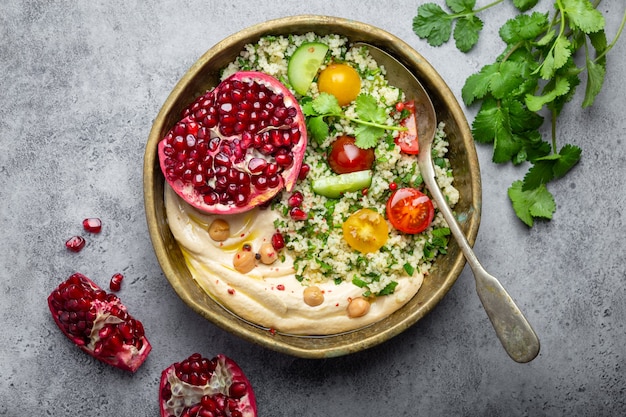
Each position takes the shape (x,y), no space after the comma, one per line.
(554,120)
(373,124)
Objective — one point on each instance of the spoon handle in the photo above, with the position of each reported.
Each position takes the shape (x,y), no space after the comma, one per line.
(515,333)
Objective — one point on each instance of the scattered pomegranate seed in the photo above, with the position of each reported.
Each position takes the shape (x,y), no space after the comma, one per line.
(364,191)
(116,282)
(393,186)
(280,287)
(297,213)
(75,243)
(92,225)
(399,106)
(278,242)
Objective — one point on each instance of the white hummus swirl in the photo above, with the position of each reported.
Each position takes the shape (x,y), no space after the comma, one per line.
(270,295)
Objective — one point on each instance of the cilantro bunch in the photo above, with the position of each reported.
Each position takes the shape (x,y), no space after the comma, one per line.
(371,120)
(535,74)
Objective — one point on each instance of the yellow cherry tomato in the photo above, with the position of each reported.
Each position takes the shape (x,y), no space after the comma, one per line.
(340,80)
(365,231)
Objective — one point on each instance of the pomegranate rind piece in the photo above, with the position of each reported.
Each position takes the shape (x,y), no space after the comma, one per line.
(177,396)
(78,299)
(190,179)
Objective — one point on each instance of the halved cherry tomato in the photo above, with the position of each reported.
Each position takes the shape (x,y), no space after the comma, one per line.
(340,80)
(409,210)
(408,140)
(365,230)
(346,157)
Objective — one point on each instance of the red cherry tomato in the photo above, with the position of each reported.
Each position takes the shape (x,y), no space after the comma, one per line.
(408,140)
(409,210)
(345,156)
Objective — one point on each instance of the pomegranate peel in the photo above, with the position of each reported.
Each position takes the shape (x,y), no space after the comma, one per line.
(236,146)
(198,386)
(98,323)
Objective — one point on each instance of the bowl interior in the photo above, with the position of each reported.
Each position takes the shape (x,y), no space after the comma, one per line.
(203,75)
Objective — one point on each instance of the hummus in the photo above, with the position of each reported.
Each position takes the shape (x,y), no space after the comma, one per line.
(270,295)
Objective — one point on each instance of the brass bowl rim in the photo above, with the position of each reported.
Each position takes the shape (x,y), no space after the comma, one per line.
(433,83)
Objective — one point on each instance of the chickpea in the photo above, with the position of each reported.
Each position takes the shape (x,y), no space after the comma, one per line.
(358,307)
(219,230)
(313,296)
(244,261)
(268,253)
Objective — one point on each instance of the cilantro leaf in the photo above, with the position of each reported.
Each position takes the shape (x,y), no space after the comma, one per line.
(521,118)
(492,124)
(367,136)
(595,80)
(549,167)
(531,204)
(433,24)
(524,28)
(307,108)
(326,104)
(367,108)
(318,128)
(499,79)
(523,5)
(582,15)
(460,6)
(539,173)
(466,32)
(506,79)
(535,103)
(556,57)
(569,155)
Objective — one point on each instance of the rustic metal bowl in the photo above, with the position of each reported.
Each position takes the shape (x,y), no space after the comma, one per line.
(203,75)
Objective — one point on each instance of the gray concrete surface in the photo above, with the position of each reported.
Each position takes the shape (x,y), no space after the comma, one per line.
(80,84)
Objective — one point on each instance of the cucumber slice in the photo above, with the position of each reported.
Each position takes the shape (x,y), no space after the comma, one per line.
(336,185)
(303,65)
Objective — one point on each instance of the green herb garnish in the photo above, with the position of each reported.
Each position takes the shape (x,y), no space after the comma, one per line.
(536,70)
(371,118)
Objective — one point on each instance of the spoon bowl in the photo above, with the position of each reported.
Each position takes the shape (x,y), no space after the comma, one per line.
(515,333)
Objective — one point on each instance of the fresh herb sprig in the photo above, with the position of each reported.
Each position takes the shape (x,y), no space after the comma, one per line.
(371,120)
(536,71)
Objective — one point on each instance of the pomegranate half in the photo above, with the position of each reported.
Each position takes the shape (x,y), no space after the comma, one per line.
(236,146)
(98,323)
(199,386)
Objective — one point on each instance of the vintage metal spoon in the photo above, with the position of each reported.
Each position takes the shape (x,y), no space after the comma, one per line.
(515,333)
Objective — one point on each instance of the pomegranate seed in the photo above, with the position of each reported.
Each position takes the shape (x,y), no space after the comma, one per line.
(399,106)
(280,287)
(92,225)
(304,171)
(273,181)
(75,243)
(296,199)
(116,282)
(284,160)
(297,213)
(393,186)
(278,242)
